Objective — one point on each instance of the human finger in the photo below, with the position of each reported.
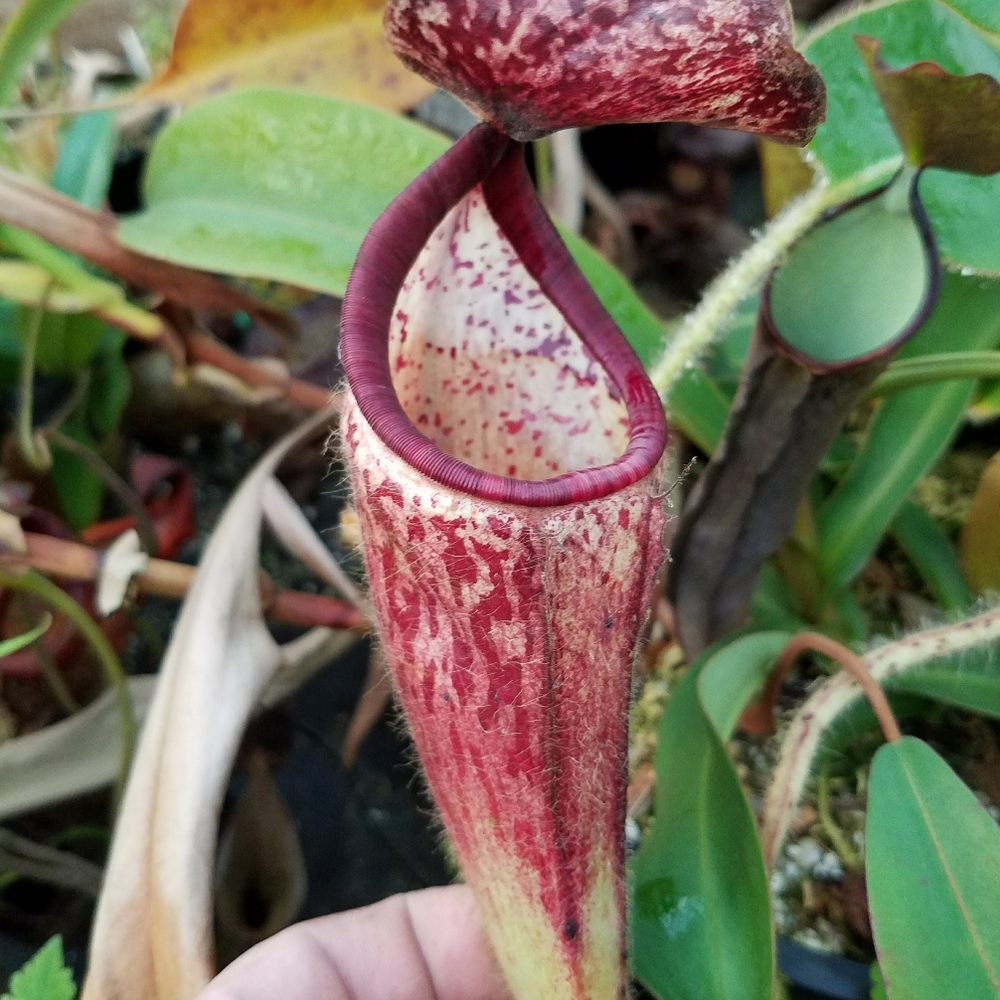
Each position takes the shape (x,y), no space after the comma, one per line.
(425,945)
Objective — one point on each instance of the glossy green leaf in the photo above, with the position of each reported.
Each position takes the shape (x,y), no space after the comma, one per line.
(908,433)
(734,674)
(16,642)
(87,158)
(933,874)
(773,605)
(275,184)
(969,680)
(700,922)
(32,22)
(44,976)
(830,300)
(933,555)
(964,38)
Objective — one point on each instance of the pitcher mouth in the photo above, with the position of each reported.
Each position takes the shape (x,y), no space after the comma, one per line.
(488,159)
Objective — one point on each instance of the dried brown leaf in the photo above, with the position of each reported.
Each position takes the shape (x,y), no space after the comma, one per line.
(940,119)
(153,928)
(329,48)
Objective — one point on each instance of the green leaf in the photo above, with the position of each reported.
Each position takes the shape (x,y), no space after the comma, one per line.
(110,385)
(878,987)
(830,301)
(79,488)
(641,328)
(63,267)
(44,976)
(16,642)
(33,21)
(969,680)
(87,158)
(700,922)
(773,605)
(908,432)
(275,184)
(699,408)
(933,874)
(67,342)
(933,555)
(963,37)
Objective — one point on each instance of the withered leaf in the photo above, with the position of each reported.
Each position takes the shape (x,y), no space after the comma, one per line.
(941,120)
(329,48)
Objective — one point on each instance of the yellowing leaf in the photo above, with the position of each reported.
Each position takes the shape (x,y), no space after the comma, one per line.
(980,543)
(30,284)
(333,47)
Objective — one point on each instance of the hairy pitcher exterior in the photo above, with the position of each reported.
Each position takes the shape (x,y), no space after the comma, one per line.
(511,632)
(504,447)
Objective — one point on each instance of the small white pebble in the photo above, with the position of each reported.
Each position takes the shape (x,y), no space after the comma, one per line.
(806,853)
(829,868)
(633,835)
(822,936)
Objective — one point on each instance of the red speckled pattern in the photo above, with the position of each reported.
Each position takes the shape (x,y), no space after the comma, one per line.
(511,632)
(488,282)
(535,66)
(518,394)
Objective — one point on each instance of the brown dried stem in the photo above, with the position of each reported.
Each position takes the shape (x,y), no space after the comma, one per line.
(78,229)
(69,560)
(208,350)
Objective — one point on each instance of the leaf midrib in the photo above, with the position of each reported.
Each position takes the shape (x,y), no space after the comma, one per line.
(959,899)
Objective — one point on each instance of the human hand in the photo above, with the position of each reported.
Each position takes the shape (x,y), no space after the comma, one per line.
(424,945)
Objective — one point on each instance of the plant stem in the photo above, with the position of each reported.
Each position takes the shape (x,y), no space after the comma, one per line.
(57,685)
(852,664)
(57,598)
(76,396)
(833,832)
(69,560)
(543,166)
(113,481)
(32,449)
(910,372)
